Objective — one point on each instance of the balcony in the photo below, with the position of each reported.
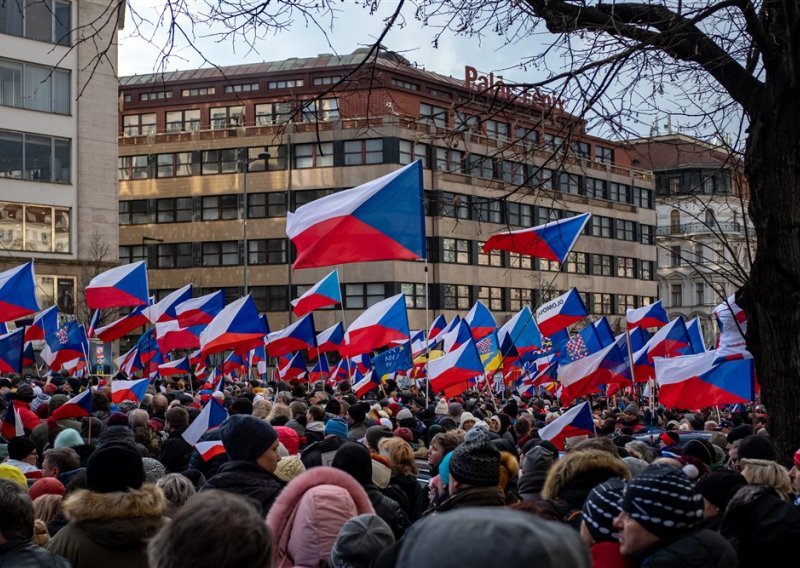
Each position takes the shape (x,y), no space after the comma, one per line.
(700,228)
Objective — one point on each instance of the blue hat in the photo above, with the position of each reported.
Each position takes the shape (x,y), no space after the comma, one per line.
(444,469)
(336,427)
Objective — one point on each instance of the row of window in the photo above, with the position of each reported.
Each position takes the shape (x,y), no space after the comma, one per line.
(42,20)
(206,254)
(39,228)
(701,298)
(34,87)
(24,155)
(703,253)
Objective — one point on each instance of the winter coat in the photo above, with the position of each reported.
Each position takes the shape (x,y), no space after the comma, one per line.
(405,489)
(388,509)
(312,455)
(697,549)
(607,555)
(473,497)
(248,480)
(306,517)
(315,432)
(145,436)
(109,529)
(24,554)
(175,452)
(29,418)
(356,432)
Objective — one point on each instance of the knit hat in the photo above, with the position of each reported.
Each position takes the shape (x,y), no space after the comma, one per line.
(24,393)
(333,407)
(354,459)
(289,468)
(117,419)
(375,434)
(670,437)
(702,450)
(153,470)
(664,501)
(466,417)
(46,486)
(289,438)
(13,474)
(476,462)
(405,434)
(537,462)
(246,437)
(757,447)
(441,407)
(601,508)
(114,467)
(336,427)
(20,447)
(740,432)
(444,469)
(719,486)
(68,438)
(358,412)
(241,405)
(404,414)
(360,540)
(56,401)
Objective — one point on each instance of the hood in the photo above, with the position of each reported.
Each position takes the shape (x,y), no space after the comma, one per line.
(578,472)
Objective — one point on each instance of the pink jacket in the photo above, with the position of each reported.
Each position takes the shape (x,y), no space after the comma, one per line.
(307,515)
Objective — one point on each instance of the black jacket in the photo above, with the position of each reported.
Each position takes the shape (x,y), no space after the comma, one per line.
(388,509)
(473,497)
(697,549)
(248,480)
(312,455)
(175,452)
(405,489)
(24,554)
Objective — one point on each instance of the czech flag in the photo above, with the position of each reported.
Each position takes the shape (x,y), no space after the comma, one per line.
(170,335)
(437,327)
(586,375)
(294,337)
(418,343)
(456,367)
(177,367)
(212,415)
(339,374)
(361,363)
(45,322)
(551,240)
(577,421)
(324,293)
(561,312)
(234,362)
(122,286)
(129,390)
(480,320)
(382,219)
(210,449)
(456,337)
(292,369)
(652,315)
(520,332)
(12,423)
(18,293)
(639,338)
(127,363)
(76,407)
(330,339)
(698,381)
(321,370)
(237,326)
(377,327)
(200,311)
(671,340)
(28,356)
(365,383)
(123,326)
(547,375)
(604,332)
(695,331)
(11,347)
(165,310)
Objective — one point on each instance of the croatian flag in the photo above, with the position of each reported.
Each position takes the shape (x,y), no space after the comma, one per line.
(200,311)
(577,421)
(76,407)
(210,449)
(292,369)
(652,315)
(165,310)
(324,293)
(380,220)
(437,327)
(212,415)
(702,380)
(45,322)
(520,332)
(377,327)
(177,367)
(11,347)
(129,390)
(170,335)
(365,383)
(119,287)
(560,313)
(237,326)
(330,339)
(123,326)
(12,423)
(18,293)
(553,240)
(588,374)
(480,320)
(294,337)
(455,368)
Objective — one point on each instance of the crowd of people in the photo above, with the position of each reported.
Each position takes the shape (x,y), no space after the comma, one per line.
(308,476)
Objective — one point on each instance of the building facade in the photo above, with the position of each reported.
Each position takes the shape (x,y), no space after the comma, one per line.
(189,171)
(58,197)
(705,242)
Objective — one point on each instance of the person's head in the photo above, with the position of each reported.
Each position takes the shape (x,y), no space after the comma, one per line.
(442,444)
(60,460)
(757,447)
(160,404)
(602,506)
(717,488)
(794,473)
(354,459)
(475,463)
(114,467)
(137,418)
(46,486)
(46,507)
(359,541)
(177,490)
(22,448)
(767,472)
(400,455)
(213,528)
(16,522)
(336,427)
(640,450)
(176,418)
(315,413)
(250,439)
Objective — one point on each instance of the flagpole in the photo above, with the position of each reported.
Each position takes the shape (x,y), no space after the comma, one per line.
(344,331)
(630,352)
(427,339)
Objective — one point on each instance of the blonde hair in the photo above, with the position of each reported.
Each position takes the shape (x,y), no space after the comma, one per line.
(766,472)
(261,408)
(279,410)
(401,455)
(46,507)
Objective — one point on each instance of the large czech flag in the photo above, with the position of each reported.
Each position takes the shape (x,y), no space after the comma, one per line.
(199,311)
(577,421)
(330,339)
(588,374)
(44,323)
(382,219)
(76,407)
(324,293)
(695,330)
(212,415)
(170,335)
(702,380)
(652,315)
(165,310)
(551,240)
(18,293)
(129,390)
(480,320)
(294,337)
(292,369)
(377,326)
(671,340)
(123,326)
(561,312)
(237,326)
(119,287)
(177,367)
(455,368)
(11,347)
(365,383)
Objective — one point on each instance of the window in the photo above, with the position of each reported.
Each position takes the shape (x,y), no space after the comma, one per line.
(260,205)
(174,165)
(601,226)
(324,110)
(604,155)
(174,210)
(519,214)
(360,152)
(267,251)
(595,188)
(285,84)
(513,172)
(132,253)
(618,192)
(466,122)
(578,263)
(183,120)
(455,297)
(601,265)
(225,253)
(603,304)
(42,20)
(411,151)
(34,157)
(139,124)
(626,267)
(674,221)
(270,298)
(309,195)
(415,295)
(646,234)
(243,88)
(275,162)
(132,167)
(546,178)
(37,228)
(433,115)
(579,149)
(569,183)
(456,251)
(481,166)
(454,205)
(198,92)
(332,80)
(224,117)
(700,293)
(405,84)
(484,209)
(553,143)
(492,258)
(313,155)
(220,161)
(625,302)
(492,297)
(450,160)
(520,261)
(155,96)
(56,290)
(34,87)
(675,256)
(361,296)
(518,298)
(676,295)
(646,269)
(626,230)
(549,265)
(273,113)
(545,215)
(133,212)
(699,255)
(222,207)
(643,198)
(177,255)
(497,130)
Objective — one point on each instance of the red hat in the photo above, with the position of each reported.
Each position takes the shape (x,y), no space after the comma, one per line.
(669,437)
(289,438)
(50,389)
(796,458)
(405,434)
(46,486)
(395,408)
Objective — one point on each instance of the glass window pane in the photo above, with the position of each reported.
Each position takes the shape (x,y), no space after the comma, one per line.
(61,92)
(37,88)
(63,23)
(10,81)
(11,217)
(38,228)
(39,20)
(10,154)
(61,161)
(37,157)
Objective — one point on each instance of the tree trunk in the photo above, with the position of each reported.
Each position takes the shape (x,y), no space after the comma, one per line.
(771,298)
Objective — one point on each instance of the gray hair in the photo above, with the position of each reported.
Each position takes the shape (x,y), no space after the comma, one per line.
(177,489)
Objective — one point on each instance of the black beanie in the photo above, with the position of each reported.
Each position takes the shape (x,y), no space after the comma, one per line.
(358,412)
(241,406)
(719,486)
(476,462)
(757,447)
(740,432)
(333,407)
(20,447)
(702,450)
(246,437)
(602,506)
(354,458)
(114,467)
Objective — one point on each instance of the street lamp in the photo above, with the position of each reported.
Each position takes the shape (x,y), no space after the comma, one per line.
(244,167)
